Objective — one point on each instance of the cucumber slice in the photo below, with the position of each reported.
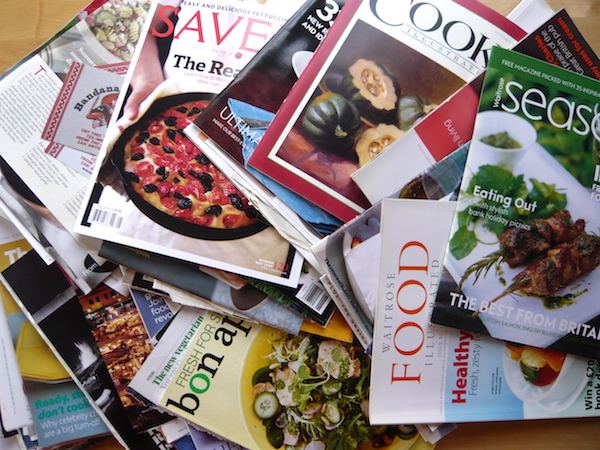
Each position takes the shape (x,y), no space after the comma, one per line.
(406,431)
(266,405)
(332,387)
(333,413)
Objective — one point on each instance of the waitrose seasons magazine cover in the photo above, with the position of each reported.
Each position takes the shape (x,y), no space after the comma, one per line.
(524,247)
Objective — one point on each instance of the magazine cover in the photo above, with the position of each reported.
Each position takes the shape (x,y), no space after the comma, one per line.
(124,344)
(204,357)
(155,311)
(455,375)
(50,304)
(234,122)
(521,259)
(152,188)
(349,255)
(61,412)
(557,41)
(358,95)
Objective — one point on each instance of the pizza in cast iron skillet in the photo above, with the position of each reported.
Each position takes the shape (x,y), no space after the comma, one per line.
(170,173)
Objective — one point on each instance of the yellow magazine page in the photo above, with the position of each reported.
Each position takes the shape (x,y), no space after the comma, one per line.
(263,388)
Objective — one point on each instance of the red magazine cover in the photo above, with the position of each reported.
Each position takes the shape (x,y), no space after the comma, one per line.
(372,78)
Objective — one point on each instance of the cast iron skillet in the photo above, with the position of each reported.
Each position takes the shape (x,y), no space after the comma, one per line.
(172,223)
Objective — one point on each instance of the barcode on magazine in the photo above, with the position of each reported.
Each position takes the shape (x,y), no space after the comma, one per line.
(105,216)
(314,295)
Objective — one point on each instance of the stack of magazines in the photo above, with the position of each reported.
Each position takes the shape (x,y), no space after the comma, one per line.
(300,224)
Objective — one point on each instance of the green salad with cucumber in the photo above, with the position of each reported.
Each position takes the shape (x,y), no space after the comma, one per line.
(313,395)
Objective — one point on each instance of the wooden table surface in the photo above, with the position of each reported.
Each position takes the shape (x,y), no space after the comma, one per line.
(26,24)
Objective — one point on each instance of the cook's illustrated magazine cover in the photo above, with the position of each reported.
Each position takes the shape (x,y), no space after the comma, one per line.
(152,188)
(524,247)
(233,124)
(556,40)
(391,65)
(280,389)
(449,375)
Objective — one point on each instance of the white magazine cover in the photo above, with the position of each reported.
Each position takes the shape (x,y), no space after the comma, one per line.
(197,49)
(450,375)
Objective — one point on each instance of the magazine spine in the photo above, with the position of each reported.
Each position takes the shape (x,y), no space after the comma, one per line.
(351,313)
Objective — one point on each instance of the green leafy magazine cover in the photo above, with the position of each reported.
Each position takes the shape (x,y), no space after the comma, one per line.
(521,263)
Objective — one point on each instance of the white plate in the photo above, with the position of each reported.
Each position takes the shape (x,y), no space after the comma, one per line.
(538,164)
(558,395)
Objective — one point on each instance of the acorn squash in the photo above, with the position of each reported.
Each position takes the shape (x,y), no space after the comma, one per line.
(411,108)
(375,140)
(373,89)
(332,122)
